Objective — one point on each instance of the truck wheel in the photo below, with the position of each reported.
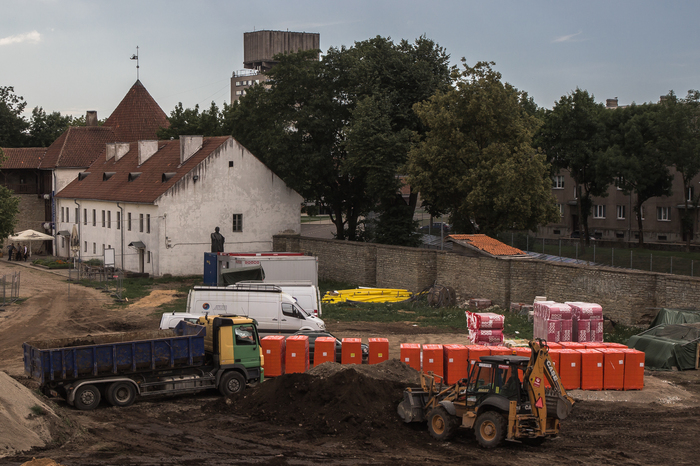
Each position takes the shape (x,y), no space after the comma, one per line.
(441,424)
(490,429)
(232,382)
(87,397)
(121,394)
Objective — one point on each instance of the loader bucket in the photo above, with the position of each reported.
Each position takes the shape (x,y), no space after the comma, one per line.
(411,408)
(558,407)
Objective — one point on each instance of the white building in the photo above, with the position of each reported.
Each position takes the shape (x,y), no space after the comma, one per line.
(156,204)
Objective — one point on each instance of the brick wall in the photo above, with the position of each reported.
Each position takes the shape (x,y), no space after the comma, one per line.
(627,296)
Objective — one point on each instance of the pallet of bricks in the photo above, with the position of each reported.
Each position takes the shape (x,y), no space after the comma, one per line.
(570,321)
(485,328)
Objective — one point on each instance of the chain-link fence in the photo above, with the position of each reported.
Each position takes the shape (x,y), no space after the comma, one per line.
(570,250)
(10,288)
(111,280)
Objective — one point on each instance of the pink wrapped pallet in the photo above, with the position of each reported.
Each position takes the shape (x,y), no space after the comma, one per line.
(484,320)
(486,336)
(586,311)
(583,316)
(596,330)
(582,330)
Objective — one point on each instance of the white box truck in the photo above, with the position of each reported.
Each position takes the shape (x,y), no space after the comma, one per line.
(276,266)
(307,295)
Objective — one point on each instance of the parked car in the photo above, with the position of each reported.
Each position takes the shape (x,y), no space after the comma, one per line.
(313,334)
(434,229)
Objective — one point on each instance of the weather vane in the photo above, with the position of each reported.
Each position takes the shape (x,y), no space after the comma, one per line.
(136,57)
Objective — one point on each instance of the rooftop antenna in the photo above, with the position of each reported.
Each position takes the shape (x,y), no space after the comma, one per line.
(136,57)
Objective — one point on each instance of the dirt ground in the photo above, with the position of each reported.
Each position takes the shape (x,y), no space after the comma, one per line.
(333,414)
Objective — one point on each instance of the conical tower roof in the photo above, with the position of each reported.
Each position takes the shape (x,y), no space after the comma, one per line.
(137,117)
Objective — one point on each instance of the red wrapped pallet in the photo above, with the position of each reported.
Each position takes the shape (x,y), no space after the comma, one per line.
(432,359)
(273,348)
(613,368)
(456,362)
(351,352)
(324,350)
(570,368)
(297,354)
(567,329)
(591,369)
(410,354)
(634,369)
(486,336)
(552,330)
(378,350)
(484,320)
(596,330)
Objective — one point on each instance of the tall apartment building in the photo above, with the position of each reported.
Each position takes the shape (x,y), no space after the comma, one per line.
(260,47)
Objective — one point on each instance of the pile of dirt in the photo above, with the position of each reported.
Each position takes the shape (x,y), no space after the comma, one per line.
(331,399)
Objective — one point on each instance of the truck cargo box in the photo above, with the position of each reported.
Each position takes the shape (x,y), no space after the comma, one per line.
(115,353)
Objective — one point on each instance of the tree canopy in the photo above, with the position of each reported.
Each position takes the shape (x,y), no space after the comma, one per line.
(9,208)
(477,162)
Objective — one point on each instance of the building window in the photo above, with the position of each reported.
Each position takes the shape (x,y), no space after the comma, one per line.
(109,219)
(85,218)
(238,83)
(559,182)
(61,214)
(561,210)
(103,249)
(63,241)
(128,221)
(85,246)
(148,257)
(618,182)
(237,222)
(599,211)
(94,217)
(141,223)
(148,223)
(663,214)
(575,192)
(621,212)
(691,192)
(119,220)
(76,220)
(94,248)
(103,219)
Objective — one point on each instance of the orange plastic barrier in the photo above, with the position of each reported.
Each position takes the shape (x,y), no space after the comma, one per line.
(570,368)
(609,344)
(324,350)
(273,348)
(591,369)
(456,360)
(297,354)
(500,350)
(594,344)
(574,345)
(634,369)
(475,352)
(524,352)
(554,354)
(352,351)
(613,368)
(554,345)
(410,354)
(432,359)
(378,350)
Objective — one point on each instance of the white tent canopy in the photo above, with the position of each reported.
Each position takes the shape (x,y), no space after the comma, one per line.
(30,235)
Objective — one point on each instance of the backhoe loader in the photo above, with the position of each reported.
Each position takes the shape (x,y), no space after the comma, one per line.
(503,398)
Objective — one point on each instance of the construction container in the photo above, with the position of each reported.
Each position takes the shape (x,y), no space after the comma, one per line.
(591,369)
(378,350)
(456,361)
(554,345)
(475,352)
(594,345)
(433,359)
(634,369)
(352,351)
(410,354)
(297,354)
(554,356)
(613,368)
(324,350)
(500,350)
(273,347)
(572,345)
(570,368)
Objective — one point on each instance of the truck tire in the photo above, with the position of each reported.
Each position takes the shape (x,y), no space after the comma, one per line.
(441,424)
(87,397)
(121,394)
(231,382)
(490,429)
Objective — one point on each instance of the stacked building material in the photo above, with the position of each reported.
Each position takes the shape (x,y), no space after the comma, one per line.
(378,350)
(479,303)
(485,328)
(324,350)
(587,321)
(552,321)
(297,354)
(456,362)
(351,351)
(433,355)
(273,347)
(410,354)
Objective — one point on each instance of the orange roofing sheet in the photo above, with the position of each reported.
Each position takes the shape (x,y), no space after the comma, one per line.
(488,244)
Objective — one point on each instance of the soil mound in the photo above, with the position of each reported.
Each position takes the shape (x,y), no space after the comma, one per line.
(331,399)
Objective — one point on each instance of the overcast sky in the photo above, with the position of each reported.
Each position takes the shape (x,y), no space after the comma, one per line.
(72,55)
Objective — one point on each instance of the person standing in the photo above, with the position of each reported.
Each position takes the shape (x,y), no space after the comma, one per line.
(10,251)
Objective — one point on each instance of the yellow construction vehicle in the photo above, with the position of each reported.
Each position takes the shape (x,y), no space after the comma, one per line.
(503,398)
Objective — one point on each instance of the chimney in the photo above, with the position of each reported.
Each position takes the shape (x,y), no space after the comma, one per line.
(91,118)
(147,149)
(189,145)
(611,103)
(122,148)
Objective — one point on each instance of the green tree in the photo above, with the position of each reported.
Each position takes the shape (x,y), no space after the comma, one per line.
(13,126)
(45,129)
(9,208)
(477,162)
(633,156)
(190,121)
(573,137)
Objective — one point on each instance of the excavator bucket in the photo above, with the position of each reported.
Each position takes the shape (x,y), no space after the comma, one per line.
(411,408)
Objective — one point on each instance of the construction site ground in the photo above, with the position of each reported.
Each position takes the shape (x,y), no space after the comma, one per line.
(333,414)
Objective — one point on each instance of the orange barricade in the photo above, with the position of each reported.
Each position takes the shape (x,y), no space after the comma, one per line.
(432,359)
(609,344)
(591,369)
(594,344)
(273,348)
(297,354)
(554,345)
(456,360)
(500,350)
(554,356)
(522,351)
(410,354)
(570,368)
(634,369)
(378,350)
(324,350)
(352,351)
(574,345)
(613,368)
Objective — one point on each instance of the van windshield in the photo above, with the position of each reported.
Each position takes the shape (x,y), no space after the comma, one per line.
(302,311)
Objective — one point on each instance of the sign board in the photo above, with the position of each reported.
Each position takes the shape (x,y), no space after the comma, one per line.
(109,257)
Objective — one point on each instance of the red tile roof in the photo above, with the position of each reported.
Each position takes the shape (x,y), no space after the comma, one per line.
(77,147)
(25,157)
(149,185)
(137,117)
(488,245)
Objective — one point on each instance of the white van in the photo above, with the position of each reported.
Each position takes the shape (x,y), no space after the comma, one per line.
(275,311)
(305,292)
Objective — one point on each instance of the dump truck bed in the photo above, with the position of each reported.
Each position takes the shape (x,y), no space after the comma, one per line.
(115,353)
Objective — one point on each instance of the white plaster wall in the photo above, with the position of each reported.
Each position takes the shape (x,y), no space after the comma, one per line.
(63,176)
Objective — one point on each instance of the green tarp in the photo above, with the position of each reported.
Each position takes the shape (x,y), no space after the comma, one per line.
(675,316)
(668,345)
(242,273)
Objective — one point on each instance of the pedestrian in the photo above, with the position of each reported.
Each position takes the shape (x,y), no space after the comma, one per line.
(10,250)
(26,253)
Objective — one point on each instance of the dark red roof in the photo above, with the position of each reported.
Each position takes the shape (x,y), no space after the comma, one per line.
(25,157)
(149,185)
(137,117)
(77,147)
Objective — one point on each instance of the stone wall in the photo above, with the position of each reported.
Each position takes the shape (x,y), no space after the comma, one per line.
(627,296)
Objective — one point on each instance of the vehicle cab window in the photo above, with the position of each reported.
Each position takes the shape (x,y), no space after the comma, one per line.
(290,310)
(245,335)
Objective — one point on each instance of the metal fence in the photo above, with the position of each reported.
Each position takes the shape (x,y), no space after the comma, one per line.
(565,250)
(111,280)
(10,288)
